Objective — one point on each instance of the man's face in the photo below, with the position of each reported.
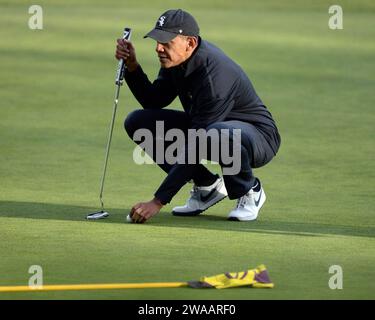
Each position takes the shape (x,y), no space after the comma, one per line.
(174,52)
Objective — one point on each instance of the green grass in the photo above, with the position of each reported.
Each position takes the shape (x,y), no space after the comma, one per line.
(56,93)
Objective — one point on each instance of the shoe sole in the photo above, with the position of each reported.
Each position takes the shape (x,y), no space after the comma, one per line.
(240,220)
(195,213)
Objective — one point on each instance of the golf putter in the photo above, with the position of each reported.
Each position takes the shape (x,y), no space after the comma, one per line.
(119,81)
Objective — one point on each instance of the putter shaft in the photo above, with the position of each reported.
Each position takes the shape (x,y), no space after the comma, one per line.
(109,144)
(119,81)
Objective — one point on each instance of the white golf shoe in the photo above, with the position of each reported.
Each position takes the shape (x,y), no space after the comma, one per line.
(248,206)
(202,198)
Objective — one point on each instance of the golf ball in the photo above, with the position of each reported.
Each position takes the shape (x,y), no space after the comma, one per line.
(128,218)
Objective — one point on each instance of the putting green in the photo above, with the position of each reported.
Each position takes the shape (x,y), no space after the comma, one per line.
(56,93)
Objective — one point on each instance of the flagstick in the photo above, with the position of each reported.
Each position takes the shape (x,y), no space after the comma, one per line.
(105,286)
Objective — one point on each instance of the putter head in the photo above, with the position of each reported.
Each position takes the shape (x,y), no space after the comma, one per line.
(97,215)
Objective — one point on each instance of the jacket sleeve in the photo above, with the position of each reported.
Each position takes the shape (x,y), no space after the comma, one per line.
(156,95)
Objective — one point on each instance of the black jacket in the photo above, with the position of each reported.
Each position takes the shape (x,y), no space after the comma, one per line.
(211,88)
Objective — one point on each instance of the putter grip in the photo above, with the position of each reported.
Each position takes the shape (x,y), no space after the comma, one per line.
(121,63)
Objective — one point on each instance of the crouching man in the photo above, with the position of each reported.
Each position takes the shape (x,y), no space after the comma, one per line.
(216,95)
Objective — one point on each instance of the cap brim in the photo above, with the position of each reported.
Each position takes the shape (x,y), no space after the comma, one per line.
(160,35)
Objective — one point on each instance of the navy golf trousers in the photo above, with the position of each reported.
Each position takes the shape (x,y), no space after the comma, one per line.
(255,152)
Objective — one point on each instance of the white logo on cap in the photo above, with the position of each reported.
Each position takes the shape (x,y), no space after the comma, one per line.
(161,21)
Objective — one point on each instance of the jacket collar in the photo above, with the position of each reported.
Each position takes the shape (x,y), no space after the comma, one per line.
(194,62)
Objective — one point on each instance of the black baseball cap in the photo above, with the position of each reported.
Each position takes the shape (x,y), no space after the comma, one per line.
(172,23)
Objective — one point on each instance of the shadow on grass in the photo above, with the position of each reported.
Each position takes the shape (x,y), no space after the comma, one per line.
(31,210)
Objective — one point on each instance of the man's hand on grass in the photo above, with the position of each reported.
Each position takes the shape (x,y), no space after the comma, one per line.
(143,211)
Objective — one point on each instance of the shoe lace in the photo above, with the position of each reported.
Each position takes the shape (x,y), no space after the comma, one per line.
(241,202)
(194,192)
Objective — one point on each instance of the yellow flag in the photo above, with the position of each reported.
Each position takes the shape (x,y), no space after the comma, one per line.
(256,278)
